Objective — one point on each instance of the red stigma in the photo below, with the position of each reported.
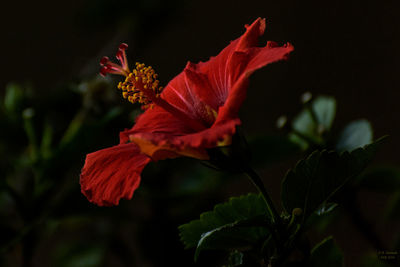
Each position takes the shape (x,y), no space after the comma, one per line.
(104,71)
(104,61)
(119,56)
(109,67)
(123,47)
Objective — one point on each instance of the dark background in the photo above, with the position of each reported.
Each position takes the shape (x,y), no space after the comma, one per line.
(347,49)
(344,48)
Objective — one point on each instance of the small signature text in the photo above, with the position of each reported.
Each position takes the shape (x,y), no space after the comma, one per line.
(388,255)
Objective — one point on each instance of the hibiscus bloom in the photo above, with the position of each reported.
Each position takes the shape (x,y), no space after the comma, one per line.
(196,111)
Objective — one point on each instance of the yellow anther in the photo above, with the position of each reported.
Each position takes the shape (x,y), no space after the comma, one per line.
(141,78)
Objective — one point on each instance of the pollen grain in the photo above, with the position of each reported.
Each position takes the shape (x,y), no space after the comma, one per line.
(141,78)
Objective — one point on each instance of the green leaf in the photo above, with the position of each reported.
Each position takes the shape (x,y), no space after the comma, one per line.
(326,254)
(325,208)
(322,217)
(228,225)
(356,134)
(324,108)
(319,223)
(73,129)
(300,142)
(13,98)
(314,180)
(235,258)
(384,180)
(304,124)
(314,120)
(240,234)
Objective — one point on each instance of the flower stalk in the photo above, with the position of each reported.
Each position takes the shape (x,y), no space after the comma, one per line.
(256,180)
(275,218)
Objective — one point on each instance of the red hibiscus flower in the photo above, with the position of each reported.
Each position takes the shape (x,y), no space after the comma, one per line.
(196,111)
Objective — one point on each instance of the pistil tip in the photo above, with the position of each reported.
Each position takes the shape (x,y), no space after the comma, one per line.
(104,61)
(104,71)
(123,46)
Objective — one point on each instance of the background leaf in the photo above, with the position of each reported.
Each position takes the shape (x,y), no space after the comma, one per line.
(324,108)
(356,134)
(13,98)
(235,259)
(326,208)
(326,254)
(314,120)
(314,180)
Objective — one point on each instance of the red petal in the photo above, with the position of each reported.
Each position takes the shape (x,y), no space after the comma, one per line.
(112,173)
(261,56)
(250,37)
(223,69)
(156,120)
(202,87)
(215,70)
(179,93)
(235,99)
(161,146)
(258,58)
(208,84)
(217,73)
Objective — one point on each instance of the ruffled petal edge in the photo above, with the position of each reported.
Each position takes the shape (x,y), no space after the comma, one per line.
(111,174)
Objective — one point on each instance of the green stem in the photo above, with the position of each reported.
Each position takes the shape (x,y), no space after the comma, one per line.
(276,233)
(256,180)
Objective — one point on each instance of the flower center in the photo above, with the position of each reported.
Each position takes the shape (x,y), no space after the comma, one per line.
(141,86)
(140,78)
